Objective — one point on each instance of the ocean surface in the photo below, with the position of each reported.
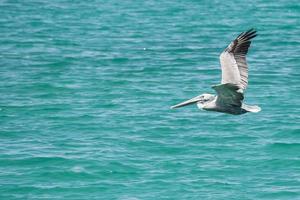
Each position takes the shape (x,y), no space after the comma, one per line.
(86,89)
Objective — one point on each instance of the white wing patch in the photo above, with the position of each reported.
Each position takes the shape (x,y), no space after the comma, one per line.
(230,70)
(233,60)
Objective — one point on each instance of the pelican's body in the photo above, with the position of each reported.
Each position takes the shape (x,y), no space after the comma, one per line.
(230,93)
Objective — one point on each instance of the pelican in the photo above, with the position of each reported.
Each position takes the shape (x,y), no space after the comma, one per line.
(230,93)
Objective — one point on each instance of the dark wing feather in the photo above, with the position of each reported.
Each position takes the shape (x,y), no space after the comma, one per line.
(229,95)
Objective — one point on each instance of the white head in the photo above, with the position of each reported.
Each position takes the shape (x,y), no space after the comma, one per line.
(206,98)
(201,101)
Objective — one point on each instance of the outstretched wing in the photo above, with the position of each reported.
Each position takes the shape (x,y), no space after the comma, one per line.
(233,60)
(229,95)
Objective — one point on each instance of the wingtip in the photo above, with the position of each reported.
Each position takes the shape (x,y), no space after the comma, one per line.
(251,30)
(249,34)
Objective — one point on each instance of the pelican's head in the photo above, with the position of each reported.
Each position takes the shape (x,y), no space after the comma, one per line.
(201,100)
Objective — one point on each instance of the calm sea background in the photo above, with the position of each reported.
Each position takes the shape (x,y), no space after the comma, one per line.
(85,91)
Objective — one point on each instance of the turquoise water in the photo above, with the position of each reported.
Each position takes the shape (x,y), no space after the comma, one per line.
(85,91)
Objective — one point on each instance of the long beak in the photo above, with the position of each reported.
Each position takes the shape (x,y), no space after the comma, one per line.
(188,102)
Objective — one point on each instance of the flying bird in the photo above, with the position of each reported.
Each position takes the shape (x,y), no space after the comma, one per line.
(230,93)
